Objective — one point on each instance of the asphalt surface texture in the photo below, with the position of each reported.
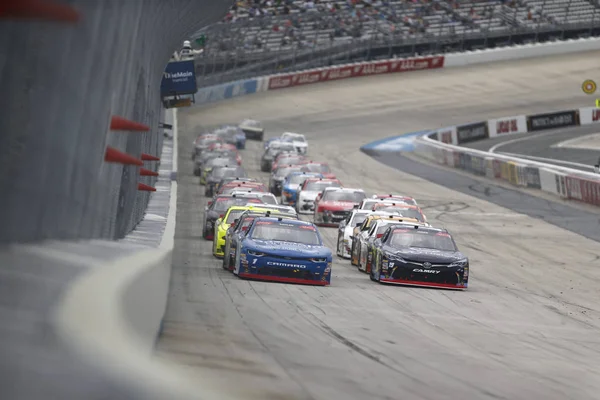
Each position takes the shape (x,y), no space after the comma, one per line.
(539,146)
(526,328)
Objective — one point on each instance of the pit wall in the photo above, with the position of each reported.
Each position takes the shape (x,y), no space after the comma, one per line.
(441,146)
(212,94)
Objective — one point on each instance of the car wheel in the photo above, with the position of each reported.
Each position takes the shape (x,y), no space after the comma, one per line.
(236,262)
(339,246)
(226,259)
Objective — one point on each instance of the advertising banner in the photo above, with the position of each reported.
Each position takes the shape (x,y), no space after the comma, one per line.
(179,78)
(507,125)
(472,132)
(552,120)
(354,70)
(589,115)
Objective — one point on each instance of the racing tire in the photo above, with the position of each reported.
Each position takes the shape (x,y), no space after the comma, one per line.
(196,172)
(236,262)
(226,261)
(339,244)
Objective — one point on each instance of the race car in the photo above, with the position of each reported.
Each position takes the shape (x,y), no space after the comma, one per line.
(268,142)
(282,208)
(320,167)
(208,166)
(275,147)
(292,183)
(217,174)
(202,143)
(242,186)
(232,135)
(297,139)
(217,208)
(265,197)
(309,191)
(366,239)
(345,228)
(208,155)
(223,223)
(406,199)
(363,229)
(238,230)
(334,204)
(407,210)
(283,250)
(278,175)
(253,129)
(287,158)
(233,179)
(419,256)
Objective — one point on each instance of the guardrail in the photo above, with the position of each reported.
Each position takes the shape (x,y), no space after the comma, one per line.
(441,146)
(225,91)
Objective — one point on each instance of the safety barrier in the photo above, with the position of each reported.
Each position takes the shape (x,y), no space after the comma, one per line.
(442,146)
(211,94)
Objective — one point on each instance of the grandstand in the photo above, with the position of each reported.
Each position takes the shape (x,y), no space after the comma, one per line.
(281,33)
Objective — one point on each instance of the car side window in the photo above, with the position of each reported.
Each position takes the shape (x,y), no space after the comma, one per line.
(365,226)
(372,230)
(385,236)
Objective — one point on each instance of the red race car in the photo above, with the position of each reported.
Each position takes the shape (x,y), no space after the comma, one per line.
(334,204)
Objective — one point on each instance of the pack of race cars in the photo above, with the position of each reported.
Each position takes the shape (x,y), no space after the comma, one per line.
(257,230)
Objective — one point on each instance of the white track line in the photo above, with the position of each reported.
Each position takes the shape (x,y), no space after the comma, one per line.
(517,140)
(570,143)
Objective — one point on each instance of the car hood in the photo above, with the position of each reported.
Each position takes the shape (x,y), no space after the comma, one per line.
(427,255)
(309,195)
(337,205)
(288,249)
(300,144)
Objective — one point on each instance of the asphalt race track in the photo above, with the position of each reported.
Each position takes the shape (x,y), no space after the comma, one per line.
(526,328)
(541,147)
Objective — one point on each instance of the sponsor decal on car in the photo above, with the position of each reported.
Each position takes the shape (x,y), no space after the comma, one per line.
(281,264)
(426,271)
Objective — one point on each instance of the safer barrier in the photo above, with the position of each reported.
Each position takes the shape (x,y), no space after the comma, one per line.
(441,146)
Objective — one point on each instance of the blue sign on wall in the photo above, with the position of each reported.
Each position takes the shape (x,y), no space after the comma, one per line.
(179,78)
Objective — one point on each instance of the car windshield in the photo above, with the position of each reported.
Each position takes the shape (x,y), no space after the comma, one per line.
(402,238)
(285,171)
(208,141)
(293,160)
(295,138)
(233,215)
(275,148)
(280,231)
(339,195)
(220,162)
(298,179)
(318,186)
(404,212)
(236,188)
(223,172)
(358,219)
(268,199)
(322,168)
(223,203)
(251,123)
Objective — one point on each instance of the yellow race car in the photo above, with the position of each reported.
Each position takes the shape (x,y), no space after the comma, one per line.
(223,224)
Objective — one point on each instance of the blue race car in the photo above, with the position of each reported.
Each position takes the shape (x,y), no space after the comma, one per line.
(292,183)
(283,250)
